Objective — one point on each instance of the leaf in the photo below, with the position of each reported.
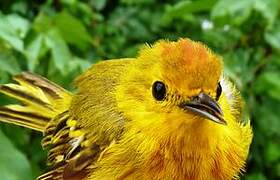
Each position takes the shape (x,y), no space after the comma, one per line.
(88,14)
(14,165)
(272,36)
(9,63)
(278,169)
(267,117)
(256,176)
(120,22)
(20,25)
(8,32)
(59,50)
(4,77)
(42,23)
(236,63)
(222,39)
(137,2)
(235,11)
(269,82)
(99,4)
(32,52)
(79,63)
(72,30)
(272,152)
(69,2)
(185,7)
(268,9)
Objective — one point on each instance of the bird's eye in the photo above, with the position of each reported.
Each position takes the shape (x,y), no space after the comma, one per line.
(218,91)
(159,90)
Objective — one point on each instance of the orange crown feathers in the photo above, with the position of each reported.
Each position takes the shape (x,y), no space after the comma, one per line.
(187,65)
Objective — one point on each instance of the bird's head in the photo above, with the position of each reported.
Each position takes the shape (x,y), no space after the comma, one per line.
(174,83)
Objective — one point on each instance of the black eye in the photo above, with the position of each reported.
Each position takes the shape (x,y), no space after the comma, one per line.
(218,91)
(159,90)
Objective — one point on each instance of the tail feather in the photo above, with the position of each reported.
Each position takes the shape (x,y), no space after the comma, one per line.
(14,114)
(26,95)
(41,101)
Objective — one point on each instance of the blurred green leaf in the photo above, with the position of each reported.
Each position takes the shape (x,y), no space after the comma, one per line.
(278,169)
(59,50)
(185,7)
(14,165)
(135,2)
(269,82)
(268,8)
(256,176)
(272,152)
(72,30)
(69,2)
(235,11)
(267,113)
(239,11)
(79,63)
(19,7)
(42,23)
(4,77)
(272,36)
(99,4)
(237,67)
(226,37)
(32,52)
(19,24)
(11,31)
(17,134)
(8,63)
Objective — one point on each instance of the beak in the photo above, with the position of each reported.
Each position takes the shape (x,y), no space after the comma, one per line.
(205,106)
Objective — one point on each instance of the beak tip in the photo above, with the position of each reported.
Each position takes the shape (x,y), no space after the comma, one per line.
(205,106)
(218,119)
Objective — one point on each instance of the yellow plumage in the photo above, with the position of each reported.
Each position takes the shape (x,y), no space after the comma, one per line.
(167,114)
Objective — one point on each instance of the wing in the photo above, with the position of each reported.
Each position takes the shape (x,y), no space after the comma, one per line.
(78,137)
(40,100)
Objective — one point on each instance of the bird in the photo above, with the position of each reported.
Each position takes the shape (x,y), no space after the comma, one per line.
(169,113)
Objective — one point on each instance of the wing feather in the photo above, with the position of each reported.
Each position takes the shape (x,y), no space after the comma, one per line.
(77,137)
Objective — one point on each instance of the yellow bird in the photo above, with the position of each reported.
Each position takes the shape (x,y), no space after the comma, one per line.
(167,114)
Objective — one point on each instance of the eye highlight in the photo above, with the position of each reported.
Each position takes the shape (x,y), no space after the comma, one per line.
(218,91)
(159,90)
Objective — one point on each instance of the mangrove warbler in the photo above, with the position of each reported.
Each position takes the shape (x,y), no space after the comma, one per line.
(167,114)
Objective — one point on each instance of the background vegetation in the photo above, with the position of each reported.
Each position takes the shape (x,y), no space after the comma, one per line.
(61,38)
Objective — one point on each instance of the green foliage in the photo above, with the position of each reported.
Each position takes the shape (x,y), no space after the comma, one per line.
(61,38)
(10,157)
